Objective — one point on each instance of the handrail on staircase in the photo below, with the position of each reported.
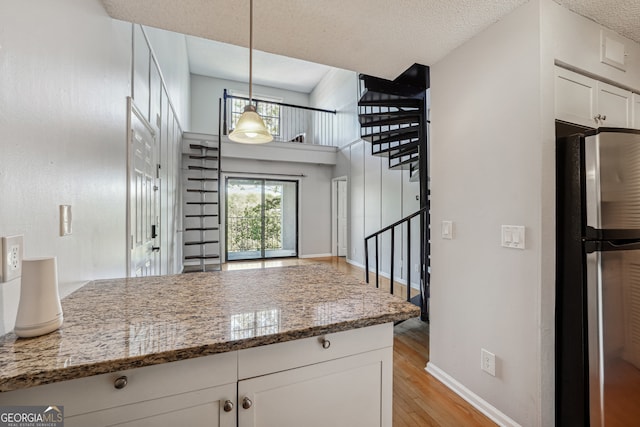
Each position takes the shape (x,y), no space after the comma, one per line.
(422,213)
(290,123)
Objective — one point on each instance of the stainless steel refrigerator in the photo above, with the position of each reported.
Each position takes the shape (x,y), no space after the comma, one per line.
(598,279)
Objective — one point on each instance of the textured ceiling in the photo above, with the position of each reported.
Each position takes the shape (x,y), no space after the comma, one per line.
(377,37)
(268,69)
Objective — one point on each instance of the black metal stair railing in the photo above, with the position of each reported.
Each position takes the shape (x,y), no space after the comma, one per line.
(424,271)
(286,122)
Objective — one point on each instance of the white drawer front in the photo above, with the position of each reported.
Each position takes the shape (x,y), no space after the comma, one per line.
(151,382)
(253,362)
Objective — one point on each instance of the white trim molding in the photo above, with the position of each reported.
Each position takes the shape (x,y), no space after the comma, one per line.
(476,401)
(315,255)
(414,285)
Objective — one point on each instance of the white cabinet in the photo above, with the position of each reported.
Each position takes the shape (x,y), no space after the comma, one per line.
(575,98)
(635,100)
(193,390)
(588,102)
(337,379)
(350,392)
(342,379)
(198,408)
(614,106)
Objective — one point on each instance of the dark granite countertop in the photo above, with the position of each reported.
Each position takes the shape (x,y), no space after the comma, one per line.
(113,325)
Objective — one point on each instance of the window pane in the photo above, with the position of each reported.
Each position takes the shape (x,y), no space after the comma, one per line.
(269,112)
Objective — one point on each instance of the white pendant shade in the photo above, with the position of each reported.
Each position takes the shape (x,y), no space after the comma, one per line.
(250,128)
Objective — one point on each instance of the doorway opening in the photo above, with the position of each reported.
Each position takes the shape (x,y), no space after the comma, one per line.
(339,216)
(261,218)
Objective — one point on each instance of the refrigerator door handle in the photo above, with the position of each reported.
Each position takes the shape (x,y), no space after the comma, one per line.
(592,181)
(595,339)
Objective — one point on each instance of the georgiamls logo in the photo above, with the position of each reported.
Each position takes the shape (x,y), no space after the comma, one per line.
(31,416)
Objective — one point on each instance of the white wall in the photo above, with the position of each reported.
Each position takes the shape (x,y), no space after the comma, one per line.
(338,90)
(314,189)
(65,74)
(492,164)
(378,197)
(64,77)
(206,91)
(170,50)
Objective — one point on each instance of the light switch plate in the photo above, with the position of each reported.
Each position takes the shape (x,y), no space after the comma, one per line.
(447,230)
(65,220)
(513,236)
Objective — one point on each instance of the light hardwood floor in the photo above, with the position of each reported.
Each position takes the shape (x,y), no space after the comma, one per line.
(418,398)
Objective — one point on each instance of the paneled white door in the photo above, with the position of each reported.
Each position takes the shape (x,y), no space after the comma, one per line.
(143,197)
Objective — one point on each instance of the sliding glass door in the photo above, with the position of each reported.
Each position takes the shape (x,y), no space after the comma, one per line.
(261,218)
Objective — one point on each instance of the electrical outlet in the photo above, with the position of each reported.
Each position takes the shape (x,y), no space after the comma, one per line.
(12,253)
(488,362)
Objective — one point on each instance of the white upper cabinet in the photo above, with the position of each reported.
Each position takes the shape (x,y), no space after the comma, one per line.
(575,98)
(636,111)
(614,106)
(588,102)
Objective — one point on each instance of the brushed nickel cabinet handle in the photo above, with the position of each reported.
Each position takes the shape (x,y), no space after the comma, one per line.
(325,343)
(121,382)
(228,406)
(246,403)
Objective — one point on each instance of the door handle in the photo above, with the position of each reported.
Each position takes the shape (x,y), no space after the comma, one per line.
(154,231)
(155,248)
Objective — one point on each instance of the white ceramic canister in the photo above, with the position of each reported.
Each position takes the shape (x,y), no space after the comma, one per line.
(39,309)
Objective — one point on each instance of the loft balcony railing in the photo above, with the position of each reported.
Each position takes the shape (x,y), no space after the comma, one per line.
(286,122)
(247,233)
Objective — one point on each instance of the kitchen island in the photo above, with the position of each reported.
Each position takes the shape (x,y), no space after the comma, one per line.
(239,344)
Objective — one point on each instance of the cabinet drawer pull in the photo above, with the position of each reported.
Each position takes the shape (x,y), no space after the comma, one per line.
(228,406)
(120,382)
(325,343)
(246,403)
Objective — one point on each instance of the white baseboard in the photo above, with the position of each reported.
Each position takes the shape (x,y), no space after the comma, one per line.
(476,401)
(315,255)
(357,264)
(414,285)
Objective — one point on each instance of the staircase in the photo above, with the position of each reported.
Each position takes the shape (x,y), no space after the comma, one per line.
(201,190)
(393,118)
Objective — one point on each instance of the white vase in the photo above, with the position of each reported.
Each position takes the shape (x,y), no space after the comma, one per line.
(39,309)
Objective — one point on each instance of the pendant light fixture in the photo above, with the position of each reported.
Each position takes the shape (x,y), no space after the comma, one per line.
(250,128)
